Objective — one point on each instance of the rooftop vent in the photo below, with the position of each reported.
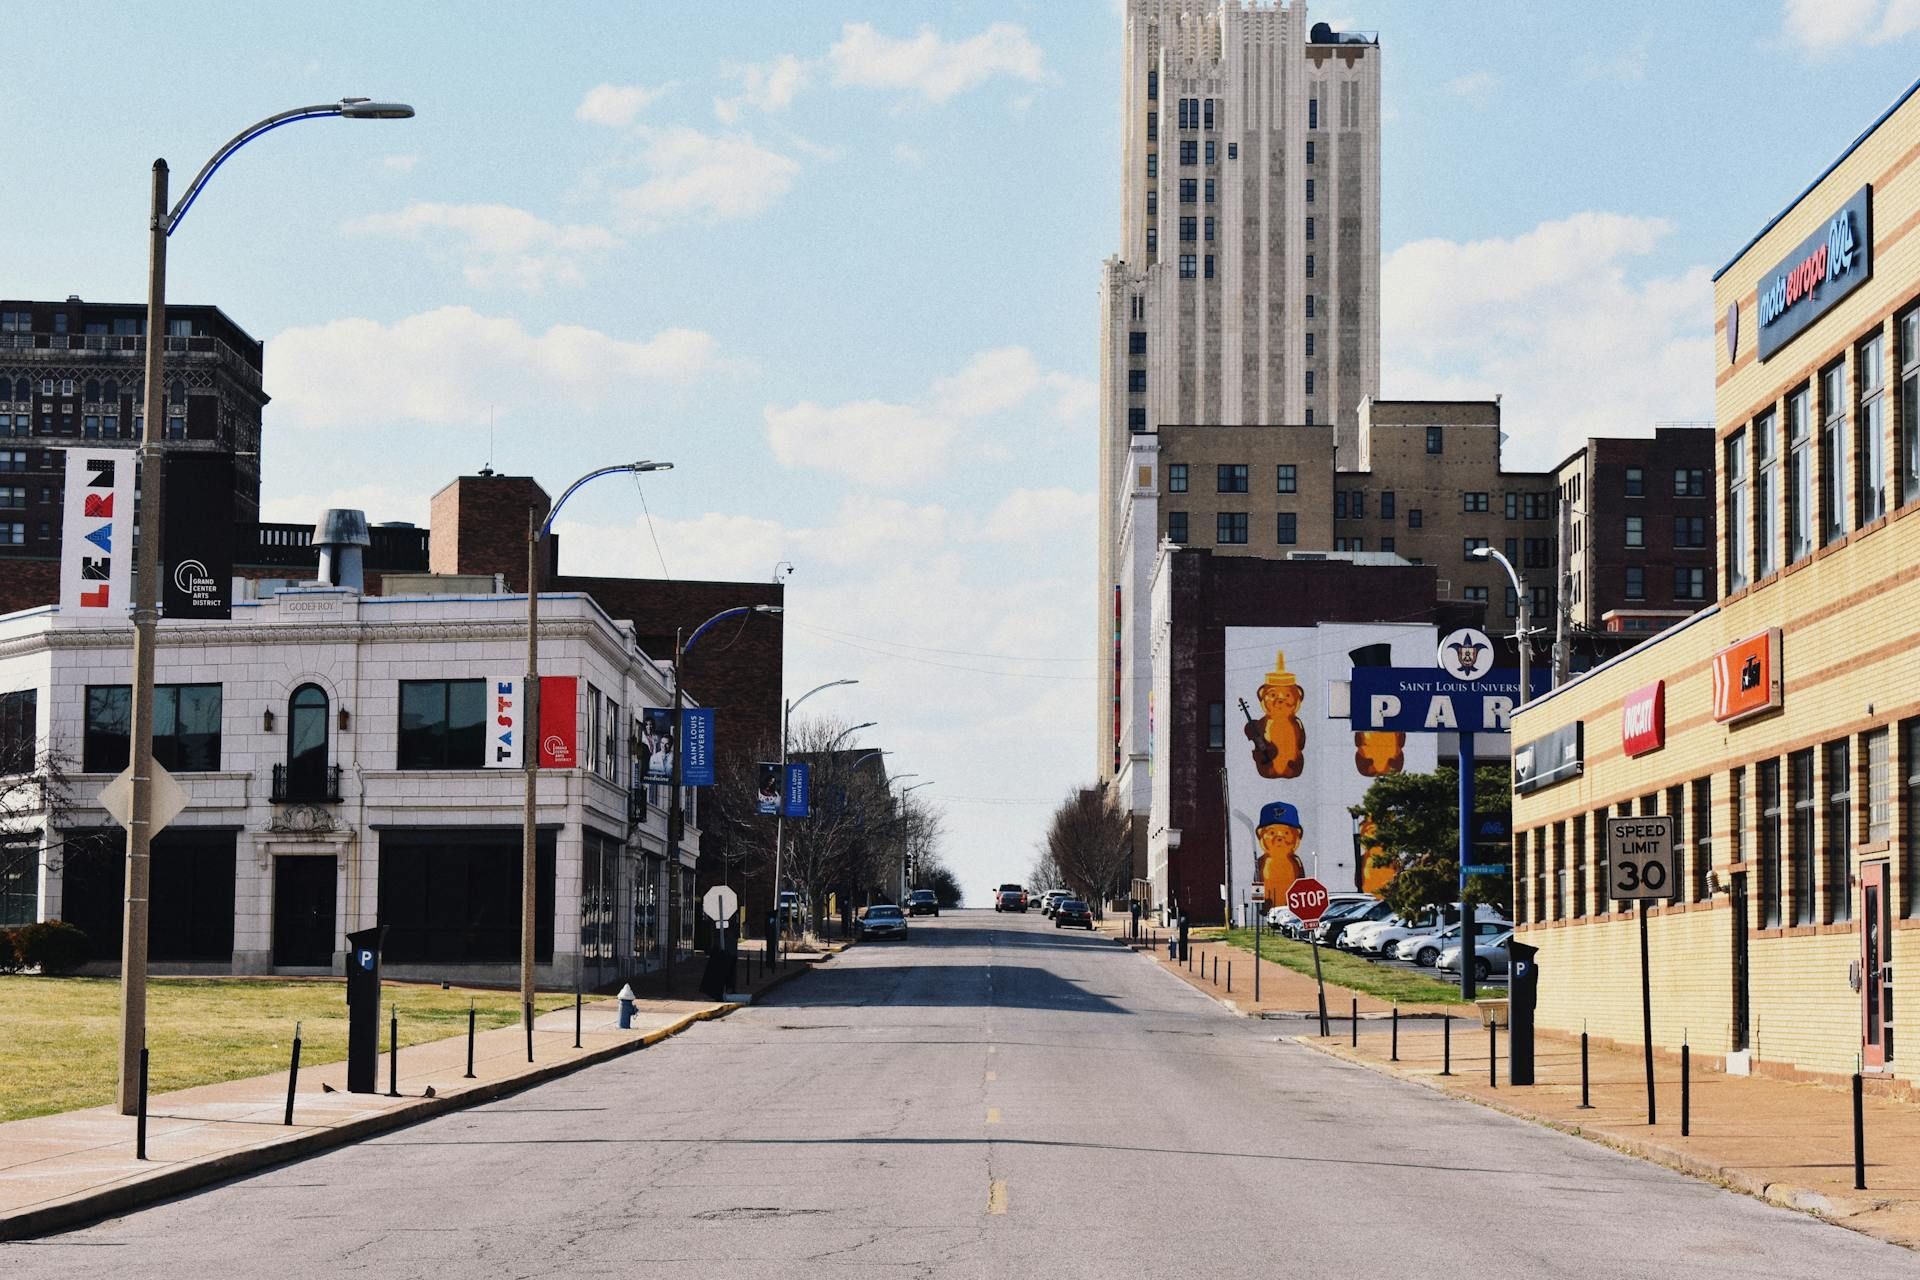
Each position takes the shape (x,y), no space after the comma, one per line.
(342,537)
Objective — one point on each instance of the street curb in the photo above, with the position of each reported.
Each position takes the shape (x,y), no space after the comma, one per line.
(108,1202)
(1838,1210)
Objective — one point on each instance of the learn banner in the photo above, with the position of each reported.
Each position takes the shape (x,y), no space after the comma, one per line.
(96,537)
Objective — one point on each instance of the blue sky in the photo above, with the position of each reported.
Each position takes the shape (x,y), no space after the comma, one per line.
(838,262)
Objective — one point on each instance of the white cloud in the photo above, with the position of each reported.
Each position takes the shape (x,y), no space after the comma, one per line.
(907,155)
(1475,85)
(616,105)
(768,86)
(496,243)
(930,66)
(1820,26)
(451,366)
(1028,514)
(695,174)
(400,163)
(1625,64)
(1555,322)
(974,412)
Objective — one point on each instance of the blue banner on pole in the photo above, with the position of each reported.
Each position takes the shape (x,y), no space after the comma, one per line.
(797,796)
(1428,700)
(696,746)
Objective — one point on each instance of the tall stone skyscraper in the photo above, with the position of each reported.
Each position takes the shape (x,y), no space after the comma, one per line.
(1247,288)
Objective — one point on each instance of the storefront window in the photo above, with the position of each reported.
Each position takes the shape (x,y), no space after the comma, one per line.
(1579,865)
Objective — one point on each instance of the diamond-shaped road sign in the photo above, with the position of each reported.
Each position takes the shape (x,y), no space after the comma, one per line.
(168,798)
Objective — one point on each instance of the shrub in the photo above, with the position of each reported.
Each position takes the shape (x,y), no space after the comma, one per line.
(9,953)
(54,946)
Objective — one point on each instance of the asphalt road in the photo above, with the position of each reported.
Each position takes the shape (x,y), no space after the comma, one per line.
(992,1098)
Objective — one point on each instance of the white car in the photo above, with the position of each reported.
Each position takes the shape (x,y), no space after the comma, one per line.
(1284,922)
(1386,941)
(1425,948)
(1360,937)
(1053,898)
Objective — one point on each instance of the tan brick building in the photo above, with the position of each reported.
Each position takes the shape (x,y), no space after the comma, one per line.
(1781,725)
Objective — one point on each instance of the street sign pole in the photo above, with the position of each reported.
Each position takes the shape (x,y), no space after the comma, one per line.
(1257,913)
(1646,1011)
(1467,991)
(1313,936)
(1642,865)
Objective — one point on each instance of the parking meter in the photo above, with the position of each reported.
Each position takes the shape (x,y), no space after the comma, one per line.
(1183,939)
(363,1008)
(1523,989)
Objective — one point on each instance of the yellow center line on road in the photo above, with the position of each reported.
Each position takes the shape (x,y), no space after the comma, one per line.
(993,1075)
(993,1115)
(997,1196)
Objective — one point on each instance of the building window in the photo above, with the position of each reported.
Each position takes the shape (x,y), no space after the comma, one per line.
(1799,477)
(1153,203)
(1136,381)
(1870,442)
(1357,504)
(1689,482)
(1636,582)
(1309,415)
(1470,545)
(1189,153)
(1768,779)
(1309,382)
(1176,477)
(1309,230)
(1874,747)
(1153,126)
(1209,190)
(442,724)
(13,495)
(1233,151)
(1189,228)
(1340,504)
(306,777)
(1136,419)
(1537,553)
(1536,506)
(1153,164)
(1212,155)
(1309,266)
(1386,505)
(1703,837)
(1137,342)
(1313,113)
(1909,356)
(1800,852)
(1209,113)
(1230,477)
(1415,517)
(1833,453)
(1286,478)
(1216,726)
(1153,241)
(1189,190)
(186,727)
(1739,554)
(1287,529)
(1208,272)
(1636,531)
(1230,528)
(1177,527)
(1689,583)
(1209,230)
(1472,502)
(1153,85)
(1689,531)
(1386,544)
(1309,345)
(1309,190)
(1309,306)
(1349,544)
(19,732)
(1434,439)
(1766,494)
(1839,834)
(1186,121)
(1636,482)
(1309,152)
(1188,266)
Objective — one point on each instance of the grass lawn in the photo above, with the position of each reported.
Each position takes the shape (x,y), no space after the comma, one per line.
(1399,986)
(59,1037)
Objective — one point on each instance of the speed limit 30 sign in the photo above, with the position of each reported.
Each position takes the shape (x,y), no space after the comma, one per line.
(1641,857)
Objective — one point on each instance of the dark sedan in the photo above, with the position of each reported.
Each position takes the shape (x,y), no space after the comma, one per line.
(923,902)
(881,922)
(1072,911)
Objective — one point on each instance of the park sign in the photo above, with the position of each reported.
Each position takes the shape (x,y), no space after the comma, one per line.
(1428,700)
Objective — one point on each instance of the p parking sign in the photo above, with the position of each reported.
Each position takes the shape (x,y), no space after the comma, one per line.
(1641,857)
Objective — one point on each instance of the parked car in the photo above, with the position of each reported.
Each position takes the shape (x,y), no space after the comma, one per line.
(882,920)
(923,902)
(1392,945)
(1359,937)
(1383,940)
(1290,925)
(1490,956)
(1072,911)
(1052,899)
(1424,948)
(1329,931)
(1010,897)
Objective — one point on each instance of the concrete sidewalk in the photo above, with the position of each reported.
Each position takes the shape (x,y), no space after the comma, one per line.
(61,1170)
(1788,1142)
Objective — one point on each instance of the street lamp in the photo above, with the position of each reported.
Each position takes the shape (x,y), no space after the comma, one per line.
(843,733)
(163,222)
(1523,629)
(537,530)
(676,813)
(1523,641)
(780,813)
(907,853)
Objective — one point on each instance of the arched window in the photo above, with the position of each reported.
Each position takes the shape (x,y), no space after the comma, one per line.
(307,744)
(177,393)
(23,391)
(93,391)
(112,392)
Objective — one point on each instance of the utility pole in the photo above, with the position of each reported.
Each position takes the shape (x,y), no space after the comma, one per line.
(1563,611)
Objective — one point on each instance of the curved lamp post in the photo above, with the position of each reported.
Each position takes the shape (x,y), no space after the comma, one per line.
(780,813)
(1523,642)
(907,854)
(537,530)
(162,223)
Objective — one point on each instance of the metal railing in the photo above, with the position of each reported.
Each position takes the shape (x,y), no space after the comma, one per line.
(306,787)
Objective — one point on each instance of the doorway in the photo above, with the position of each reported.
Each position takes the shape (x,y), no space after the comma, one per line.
(303,889)
(1876,967)
(1742,985)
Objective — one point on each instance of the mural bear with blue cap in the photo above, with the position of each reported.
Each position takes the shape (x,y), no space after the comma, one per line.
(1278,864)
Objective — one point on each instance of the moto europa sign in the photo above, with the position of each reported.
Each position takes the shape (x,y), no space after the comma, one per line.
(1824,268)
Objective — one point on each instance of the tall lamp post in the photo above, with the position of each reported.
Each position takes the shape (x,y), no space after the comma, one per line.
(1523,641)
(907,853)
(780,813)
(537,530)
(162,223)
(676,812)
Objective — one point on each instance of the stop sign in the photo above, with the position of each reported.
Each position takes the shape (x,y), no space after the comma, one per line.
(1307,898)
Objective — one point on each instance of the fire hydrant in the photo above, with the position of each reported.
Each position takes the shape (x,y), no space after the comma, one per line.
(626,1006)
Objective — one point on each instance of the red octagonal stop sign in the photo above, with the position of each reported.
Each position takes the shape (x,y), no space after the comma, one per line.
(1307,898)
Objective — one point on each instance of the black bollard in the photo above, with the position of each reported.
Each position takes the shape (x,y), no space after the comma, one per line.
(393,1055)
(1396,1034)
(1229,977)
(140,1119)
(1686,1090)
(527,1017)
(470,1022)
(1859,1125)
(293,1073)
(576,1015)
(1446,1044)
(1585,1102)
(1493,1054)
(1353,1022)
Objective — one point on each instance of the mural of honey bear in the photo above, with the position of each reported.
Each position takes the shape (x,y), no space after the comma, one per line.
(1377,753)
(1279,738)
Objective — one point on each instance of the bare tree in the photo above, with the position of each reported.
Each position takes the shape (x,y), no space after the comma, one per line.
(1088,840)
(1045,873)
(36,796)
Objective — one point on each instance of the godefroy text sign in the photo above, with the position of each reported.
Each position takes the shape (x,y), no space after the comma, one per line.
(1746,677)
(1825,267)
(1643,719)
(1428,700)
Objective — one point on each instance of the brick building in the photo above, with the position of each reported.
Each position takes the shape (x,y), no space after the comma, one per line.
(1780,725)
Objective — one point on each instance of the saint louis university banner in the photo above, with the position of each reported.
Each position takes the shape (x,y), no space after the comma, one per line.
(96,537)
